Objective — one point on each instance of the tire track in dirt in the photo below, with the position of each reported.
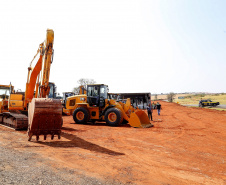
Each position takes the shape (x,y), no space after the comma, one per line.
(168,133)
(207,125)
(177,130)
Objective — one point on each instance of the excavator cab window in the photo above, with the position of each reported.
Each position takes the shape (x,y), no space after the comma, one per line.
(52,90)
(4,92)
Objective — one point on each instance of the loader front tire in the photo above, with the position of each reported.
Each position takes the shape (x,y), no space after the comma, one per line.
(81,115)
(113,117)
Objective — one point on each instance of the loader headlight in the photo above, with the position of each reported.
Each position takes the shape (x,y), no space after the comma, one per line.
(82,99)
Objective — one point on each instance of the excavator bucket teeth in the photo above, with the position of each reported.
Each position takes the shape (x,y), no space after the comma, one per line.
(44,117)
(139,119)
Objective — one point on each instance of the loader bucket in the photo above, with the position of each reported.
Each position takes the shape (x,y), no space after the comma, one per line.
(139,119)
(44,117)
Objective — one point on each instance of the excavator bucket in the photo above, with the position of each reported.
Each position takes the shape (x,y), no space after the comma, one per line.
(139,119)
(44,117)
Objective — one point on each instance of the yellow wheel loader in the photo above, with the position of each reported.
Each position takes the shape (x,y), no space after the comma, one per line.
(95,105)
(34,110)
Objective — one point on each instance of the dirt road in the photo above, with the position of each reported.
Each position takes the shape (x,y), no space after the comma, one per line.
(186,146)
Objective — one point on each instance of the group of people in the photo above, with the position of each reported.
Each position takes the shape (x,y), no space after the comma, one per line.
(153,106)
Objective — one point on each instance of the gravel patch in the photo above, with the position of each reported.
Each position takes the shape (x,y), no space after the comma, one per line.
(27,168)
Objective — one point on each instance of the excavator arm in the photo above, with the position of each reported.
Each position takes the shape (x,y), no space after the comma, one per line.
(48,56)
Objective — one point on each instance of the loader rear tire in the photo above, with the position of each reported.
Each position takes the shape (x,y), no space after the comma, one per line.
(81,115)
(113,117)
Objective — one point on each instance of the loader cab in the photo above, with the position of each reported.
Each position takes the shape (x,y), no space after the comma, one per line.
(96,94)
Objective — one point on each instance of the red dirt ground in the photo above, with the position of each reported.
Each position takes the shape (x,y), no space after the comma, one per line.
(186,146)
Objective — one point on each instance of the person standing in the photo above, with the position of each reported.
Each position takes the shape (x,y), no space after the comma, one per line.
(153,105)
(158,106)
(150,112)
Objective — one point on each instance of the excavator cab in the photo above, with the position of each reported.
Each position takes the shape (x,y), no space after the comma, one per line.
(5,91)
(52,90)
(96,94)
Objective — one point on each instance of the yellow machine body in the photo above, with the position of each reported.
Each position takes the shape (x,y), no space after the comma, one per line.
(16,102)
(134,117)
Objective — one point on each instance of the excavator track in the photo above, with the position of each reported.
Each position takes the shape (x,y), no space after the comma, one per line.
(44,118)
(17,121)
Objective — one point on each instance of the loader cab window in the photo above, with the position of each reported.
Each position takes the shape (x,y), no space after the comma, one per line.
(93,95)
(93,91)
(103,95)
(103,92)
(90,91)
(96,91)
(96,95)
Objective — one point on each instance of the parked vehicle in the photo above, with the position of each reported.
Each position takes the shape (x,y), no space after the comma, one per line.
(208,102)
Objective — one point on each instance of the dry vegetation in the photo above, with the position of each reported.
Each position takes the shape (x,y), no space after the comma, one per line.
(195,98)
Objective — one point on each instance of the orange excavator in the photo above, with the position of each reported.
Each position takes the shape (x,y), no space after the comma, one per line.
(34,110)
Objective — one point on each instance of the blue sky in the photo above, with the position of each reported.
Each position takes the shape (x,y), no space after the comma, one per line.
(156,46)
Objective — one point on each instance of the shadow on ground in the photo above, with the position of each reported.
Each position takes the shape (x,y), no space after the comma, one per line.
(77,142)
